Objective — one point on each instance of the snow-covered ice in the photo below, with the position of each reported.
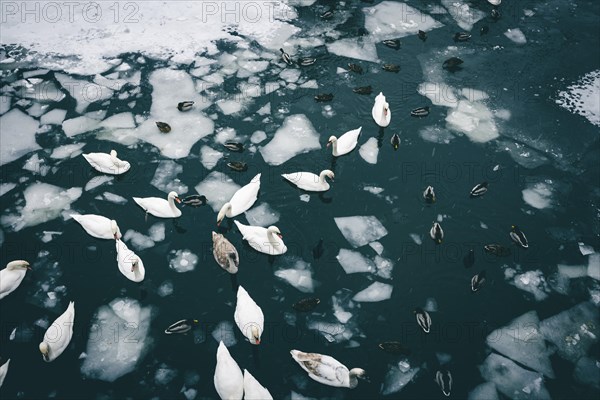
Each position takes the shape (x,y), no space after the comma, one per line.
(17,131)
(385,266)
(538,195)
(375,292)
(484,391)
(530,281)
(67,151)
(182,260)
(84,92)
(295,136)
(353,262)
(138,240)
(78,125)
(516,35)
(369,151)
(262,215)
(112,198)
(97,181)
(297,273)
(391,20)
(218,189)
(582,97)
(587,372)
(53,117)
(209,157)
(360,230)
(362,48)
(398,376)
(165,177)
(464,15)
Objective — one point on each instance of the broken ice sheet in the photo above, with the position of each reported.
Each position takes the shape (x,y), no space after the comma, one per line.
(353,262)
(360,230)
(375,292)
(297,273)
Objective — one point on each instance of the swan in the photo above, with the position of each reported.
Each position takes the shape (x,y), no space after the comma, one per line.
(265,240)
(253,390)
(248,316)
(58,336)
(309,181)
(107,163)
(225,253)
(345,143)
(98,226)
(327,370)
(12,276)
(129,263)
(4,371)
(381,111)
(241,200)
(228,378)
(160,208)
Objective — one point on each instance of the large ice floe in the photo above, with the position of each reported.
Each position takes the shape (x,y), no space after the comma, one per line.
(262,215)
(165,177)
(582,97)
(391,20)
(111,356)
(533,282)
(538,195)
(43,202)
(464,15)
(296,136)
(218,189)
(398,376)
(513,381)
(297,273)
(360,230)
(377,291)
(522,341)
(358,48)
(17,132)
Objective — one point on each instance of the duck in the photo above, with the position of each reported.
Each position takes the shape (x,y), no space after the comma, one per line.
(363,90)
(323,97)
(12,276)
(309,181)
(163,127)
(241,201)
(477,281)
(479,190)
(182,326)
(327,370)
(381,111)
(394,347)
(129,263)
(452,64)
(107,163)
(429,194)
(420,112)
(327,14)
(225,253)
(238,166)
(185,105)
(160,208)
(518,237)
(423,319)
(264,240)
(437,233)
(234,146)
(98,226)
(286,57)
(306,304)
(345,143)
(391,68)
(4,371)
(355,68)
(306,61)
(194,200)
(497,250)
(253,390)
(444,380)
(422,35)
(462,36)
(395,141)
(59,335)
(248,316)
(228,378)
(392,43)
(495,13)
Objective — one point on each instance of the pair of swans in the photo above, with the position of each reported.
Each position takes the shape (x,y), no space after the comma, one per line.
(231,384)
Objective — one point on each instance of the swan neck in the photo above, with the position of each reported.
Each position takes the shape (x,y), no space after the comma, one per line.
(171,201)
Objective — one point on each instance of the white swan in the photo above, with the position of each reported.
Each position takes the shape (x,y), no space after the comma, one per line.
(345,143)
(107,163)
(241,200)
(381,111)
(327,370)
(248,316)
(253,390)
(4,371)
(12,276)
(265,240)
(228,378)
(160,208)
(309,181)
(58,336)
(98,226)
(129,263)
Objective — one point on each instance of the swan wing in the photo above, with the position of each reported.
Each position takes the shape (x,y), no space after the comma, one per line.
(4,371)
(228,378)
(245,197)
(60,333)
(95,225)
(9,281)
(253,390)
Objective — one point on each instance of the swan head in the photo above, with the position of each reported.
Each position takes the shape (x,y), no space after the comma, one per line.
(221,216)
(45,350)
(273,230)
(255,334)
(174,196)
(18,264)
(327,173)
(332,140)
(359,373)
(113,153)
(135,264)
(386,109)
(115,229)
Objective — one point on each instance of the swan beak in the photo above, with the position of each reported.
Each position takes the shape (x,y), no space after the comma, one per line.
(280,236)
(328,144)
(257,341)
(177,199)
(29,268)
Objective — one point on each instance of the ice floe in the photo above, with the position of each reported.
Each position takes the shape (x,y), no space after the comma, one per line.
(209,157)
(84,92)
(108,359)
(369,151)
(582,97)
(538,195)
(165,177)
(182,260)
(225,332)
(112,198)
(165,289)
(299,274)
(17,131)
(587,372)
(440,94)
(485,391)
(516,35)
(43,202)
(360,230)
(521,341)
(259,136)
(375,292)
(398,376)
(358,48)
(218,189)
(353,262)
(97,181)
(79,125)
(473,119)
(67,151)
(138,240)
(391,20)
(530,281)
(296,136)
(512,380)
(464,15)
(385,266)
(262,215)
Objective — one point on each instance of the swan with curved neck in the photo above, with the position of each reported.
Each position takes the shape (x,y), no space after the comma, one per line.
(160,208)
(345,143)
(107,163)
(309,181)
(97,226)
(248,316)
(12,276)
(381,111)
(265,240)
(52,346)
(241,201)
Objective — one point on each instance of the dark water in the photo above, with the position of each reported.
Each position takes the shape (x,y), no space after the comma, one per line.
(562,43)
